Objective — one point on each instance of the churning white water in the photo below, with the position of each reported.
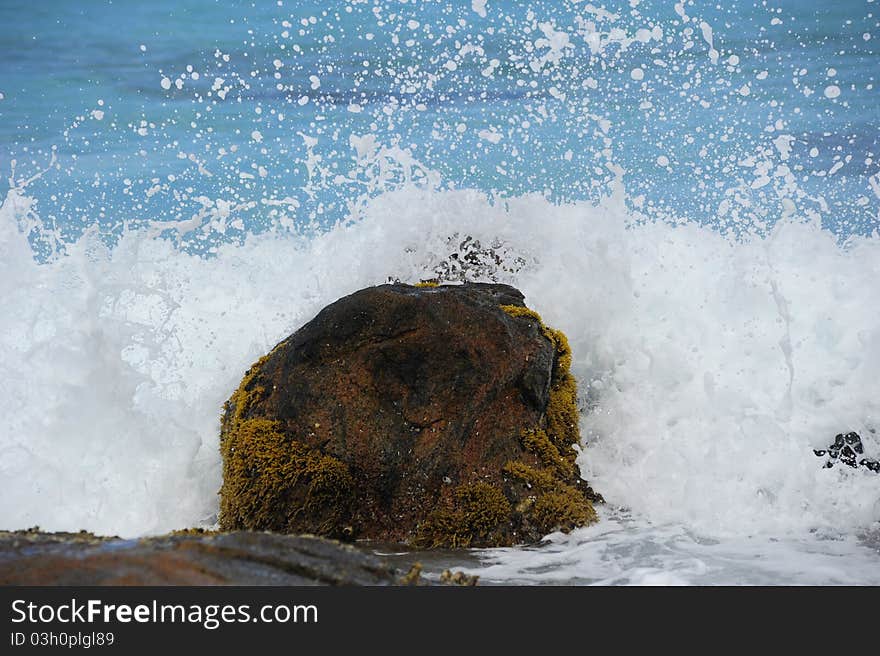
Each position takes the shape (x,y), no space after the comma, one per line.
(709,368)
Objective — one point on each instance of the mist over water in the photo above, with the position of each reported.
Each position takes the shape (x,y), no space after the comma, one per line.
(691,194)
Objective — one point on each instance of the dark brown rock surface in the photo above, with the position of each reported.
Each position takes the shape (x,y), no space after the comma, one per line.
(35,558)
(433,415)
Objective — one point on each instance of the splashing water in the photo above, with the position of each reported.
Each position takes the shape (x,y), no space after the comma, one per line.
(691,205)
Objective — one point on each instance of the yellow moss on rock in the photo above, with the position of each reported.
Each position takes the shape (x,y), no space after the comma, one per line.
(522,311)
(478,510)
(531,476)
(192,531)
(244,398)
(538,442)
(562,412)
(556,337)
(563,416)
(563,349)
(272,482)
(556,504)
(561,510)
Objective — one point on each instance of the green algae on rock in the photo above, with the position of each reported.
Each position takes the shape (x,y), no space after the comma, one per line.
(480,510)
(433,415)
(265,470)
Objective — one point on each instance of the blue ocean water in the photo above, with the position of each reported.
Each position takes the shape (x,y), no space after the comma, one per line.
(691,124)
(690,189)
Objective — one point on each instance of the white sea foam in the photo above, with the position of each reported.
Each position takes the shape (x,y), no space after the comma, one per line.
(711,367)
(623,549)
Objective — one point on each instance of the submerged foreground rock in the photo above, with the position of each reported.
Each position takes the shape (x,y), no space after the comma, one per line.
(35,558)
(429,415)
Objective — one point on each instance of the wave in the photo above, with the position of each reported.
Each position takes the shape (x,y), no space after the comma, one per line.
(709,366)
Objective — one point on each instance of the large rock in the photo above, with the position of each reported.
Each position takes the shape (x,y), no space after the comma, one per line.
(431,415)
(188,558)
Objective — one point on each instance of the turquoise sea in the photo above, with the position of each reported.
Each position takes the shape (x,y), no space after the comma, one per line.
(690,190)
